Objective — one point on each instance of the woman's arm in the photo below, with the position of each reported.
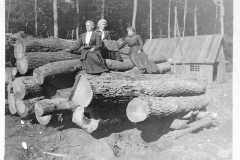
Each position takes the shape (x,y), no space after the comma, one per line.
(123,44)
(77,46)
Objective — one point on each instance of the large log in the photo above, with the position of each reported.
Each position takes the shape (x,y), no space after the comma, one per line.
(162,67)
(37,59)
(11,98)
(159,85)
(26,88)
(157,58)
(72,66)
(26,107)
(140,108)
(48,44)
(56,68)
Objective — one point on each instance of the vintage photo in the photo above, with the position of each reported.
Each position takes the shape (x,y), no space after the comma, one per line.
(118,79)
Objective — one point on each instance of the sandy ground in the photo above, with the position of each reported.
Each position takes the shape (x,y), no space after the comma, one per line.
(67,141)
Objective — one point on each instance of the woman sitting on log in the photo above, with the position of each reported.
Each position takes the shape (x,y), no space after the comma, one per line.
(109,48)
(136,54)
(89,45)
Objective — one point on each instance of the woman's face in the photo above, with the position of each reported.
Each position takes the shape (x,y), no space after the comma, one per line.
(102,25)
(130,32)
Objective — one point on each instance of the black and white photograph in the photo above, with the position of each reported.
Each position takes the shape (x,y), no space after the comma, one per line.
(119,79)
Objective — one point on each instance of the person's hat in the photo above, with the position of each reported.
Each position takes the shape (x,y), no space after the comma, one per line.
(132,29)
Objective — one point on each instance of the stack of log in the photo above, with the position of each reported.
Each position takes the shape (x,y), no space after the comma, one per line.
(47,85)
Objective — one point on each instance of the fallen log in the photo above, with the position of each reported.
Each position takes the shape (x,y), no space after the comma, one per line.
(37,59)
(157,58)
(26,88)
(158,85)
(113,65)
(162,67)
(56,68)
(26,107)
(202,123)
(72,66)
(48,44)
(140,108)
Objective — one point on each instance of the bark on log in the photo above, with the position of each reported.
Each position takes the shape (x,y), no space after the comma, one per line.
(51,106)
(26,107)
(72,66)
(56,68)
(26,88)
(203,123)
(159,85)
(157,58)
(113,65)
(162,67)
(37,59)
(140,108)
(48,44)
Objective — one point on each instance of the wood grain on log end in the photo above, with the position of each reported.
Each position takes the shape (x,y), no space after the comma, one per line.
(11,103)
(137,110)
(19,48)
(89,125)
(19,89)
(21,108)
(82,91)
(22,65)
(44,120)
(14,71)
(38,76)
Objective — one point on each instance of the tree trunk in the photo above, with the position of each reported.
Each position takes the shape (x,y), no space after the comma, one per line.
(162,67)
(55,18)
(184,18)
(222,15)
(158,85)
(26,88)
(77,27)
(195,21)
(26,107)
(203,123)
(56,68)
(103,5)
(134,13)
(169,18)
(150,19)
(36,26)
(140,108)
(47,44)
(38,59)
(9,7)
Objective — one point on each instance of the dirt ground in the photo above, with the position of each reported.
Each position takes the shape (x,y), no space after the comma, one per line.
(138,141)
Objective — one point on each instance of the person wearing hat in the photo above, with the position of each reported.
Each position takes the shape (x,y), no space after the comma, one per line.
(136,53)
(89,45)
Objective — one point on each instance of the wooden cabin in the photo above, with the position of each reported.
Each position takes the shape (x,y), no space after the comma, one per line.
(199,56)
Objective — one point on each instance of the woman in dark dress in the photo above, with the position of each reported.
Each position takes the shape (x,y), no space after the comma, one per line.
(106,41)
(136,53)
(89,45)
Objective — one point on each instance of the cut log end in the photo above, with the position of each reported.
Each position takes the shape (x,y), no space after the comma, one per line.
(44,120)
(137,110)
(38,76)
(14,71)
(19,89)
(22,65)
(89,125)
(11,103)
(38,109)
(21,108)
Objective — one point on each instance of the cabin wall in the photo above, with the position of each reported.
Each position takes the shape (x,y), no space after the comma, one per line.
(198,71)
(221,72)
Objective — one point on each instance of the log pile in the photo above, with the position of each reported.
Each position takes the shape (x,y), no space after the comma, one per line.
(57,85)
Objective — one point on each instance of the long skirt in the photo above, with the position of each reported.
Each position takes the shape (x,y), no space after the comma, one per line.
(93,63)
(142,62)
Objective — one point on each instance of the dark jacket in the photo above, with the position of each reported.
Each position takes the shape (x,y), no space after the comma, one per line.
(134,41)
(106,34)
(95,42)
